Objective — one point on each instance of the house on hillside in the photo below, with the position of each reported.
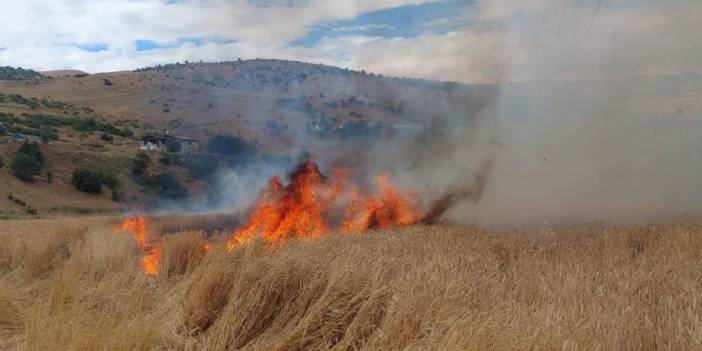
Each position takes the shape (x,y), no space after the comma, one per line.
(154,142)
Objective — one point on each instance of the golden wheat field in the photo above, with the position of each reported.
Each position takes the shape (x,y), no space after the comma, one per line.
(75,284)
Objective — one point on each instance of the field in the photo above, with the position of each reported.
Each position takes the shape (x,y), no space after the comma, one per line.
(75,284)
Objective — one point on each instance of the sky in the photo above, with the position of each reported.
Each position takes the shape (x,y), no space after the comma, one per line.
(473,41)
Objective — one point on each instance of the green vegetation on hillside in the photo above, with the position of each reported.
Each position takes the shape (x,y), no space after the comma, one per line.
(34,103)
(28,162)
(44,126)
(11,73)
(86,181)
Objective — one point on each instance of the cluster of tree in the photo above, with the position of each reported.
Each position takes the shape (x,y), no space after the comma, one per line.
(11,73)
(164,184)
(238,150)
(27,162)
(91,182)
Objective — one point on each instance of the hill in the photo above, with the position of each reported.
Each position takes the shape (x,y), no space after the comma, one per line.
(272,103)
(285,108)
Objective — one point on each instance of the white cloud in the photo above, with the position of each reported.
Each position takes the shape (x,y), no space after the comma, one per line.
(502,40)
(516,40)
(38,33)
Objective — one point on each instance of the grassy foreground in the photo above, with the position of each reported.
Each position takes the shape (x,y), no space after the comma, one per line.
(75,285)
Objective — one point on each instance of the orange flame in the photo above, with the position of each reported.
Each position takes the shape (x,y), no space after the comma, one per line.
(301,208)
(389,209)
(150,249)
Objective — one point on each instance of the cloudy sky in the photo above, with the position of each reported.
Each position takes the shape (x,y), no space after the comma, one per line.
(458,40)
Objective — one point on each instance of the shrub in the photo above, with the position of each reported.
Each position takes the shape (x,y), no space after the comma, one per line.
(203,166)
(106,137)
(125,132)
(164,159)
(231,146)
(140,166)
(108,179)
(87,125)
(46,134)
(168,186)
(25,167)
(173,145)
(86,181)
(116,195)
(32,150)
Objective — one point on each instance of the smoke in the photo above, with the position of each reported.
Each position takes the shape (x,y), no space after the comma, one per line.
(603,124)
(591,115)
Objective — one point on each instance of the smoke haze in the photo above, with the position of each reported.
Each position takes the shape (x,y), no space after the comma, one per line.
(590,114)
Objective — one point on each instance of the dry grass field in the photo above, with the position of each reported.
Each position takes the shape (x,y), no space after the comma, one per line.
(75,284)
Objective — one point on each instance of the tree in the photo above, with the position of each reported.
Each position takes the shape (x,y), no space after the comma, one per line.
(229,145)
(168,186)
(25,167)
(108,179)
(32,150)
(47,134)
(173,145)
(140,165)
(86,181)
(203,166)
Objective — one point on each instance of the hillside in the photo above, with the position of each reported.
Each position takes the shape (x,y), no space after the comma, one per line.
(285,108)
(281,106)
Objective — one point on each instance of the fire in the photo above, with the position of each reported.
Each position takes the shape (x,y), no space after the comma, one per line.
(149,248)
(303,208)
(388,209)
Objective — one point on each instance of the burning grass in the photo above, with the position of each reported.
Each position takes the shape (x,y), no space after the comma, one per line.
(75,284)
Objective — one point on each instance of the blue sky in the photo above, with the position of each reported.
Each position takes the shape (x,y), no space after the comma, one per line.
(397,22)
(403,22)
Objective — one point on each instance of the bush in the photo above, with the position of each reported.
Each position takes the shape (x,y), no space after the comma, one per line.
(108,179)
(228,145)
(86,181)
(106,137)
(140,165)
(32,150)
(168,186)
(116,195)
(203,166)
(173,145)
(164,159)
(25,167)
(47,134)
